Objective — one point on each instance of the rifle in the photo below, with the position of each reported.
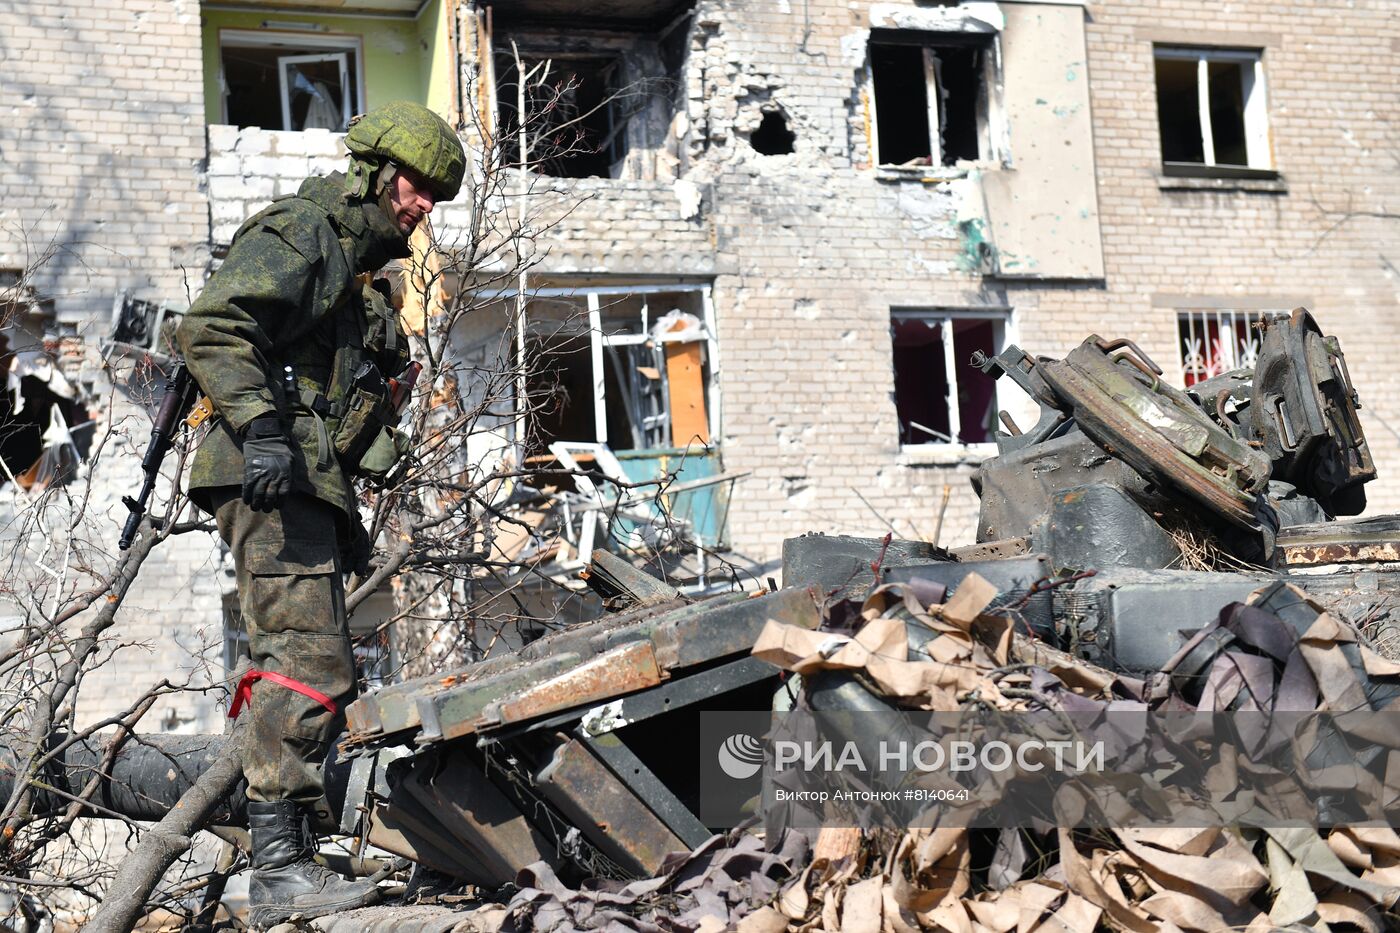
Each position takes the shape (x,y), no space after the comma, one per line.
(180,391)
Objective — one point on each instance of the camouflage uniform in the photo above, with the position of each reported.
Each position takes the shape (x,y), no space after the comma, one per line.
(287,295)
(294,353)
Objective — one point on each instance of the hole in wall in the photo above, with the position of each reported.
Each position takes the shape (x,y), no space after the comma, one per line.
(773,136)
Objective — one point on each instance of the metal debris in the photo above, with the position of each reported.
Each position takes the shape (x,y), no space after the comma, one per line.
(558,763)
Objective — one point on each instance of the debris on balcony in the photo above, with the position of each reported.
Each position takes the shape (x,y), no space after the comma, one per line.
(648,510)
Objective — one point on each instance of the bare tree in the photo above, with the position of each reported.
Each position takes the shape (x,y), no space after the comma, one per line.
(437,528)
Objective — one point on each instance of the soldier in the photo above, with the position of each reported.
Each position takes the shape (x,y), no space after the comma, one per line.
(294,348)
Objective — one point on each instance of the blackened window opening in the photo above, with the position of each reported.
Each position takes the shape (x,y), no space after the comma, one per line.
(977,395)
(1179,111)
(912,128)
(925,390)
(901,104)
(958,72)
(572,124)
(560,387)
(1227,113)
(920,382)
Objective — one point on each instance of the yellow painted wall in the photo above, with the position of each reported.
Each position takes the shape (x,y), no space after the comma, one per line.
(436,62)
(405,59)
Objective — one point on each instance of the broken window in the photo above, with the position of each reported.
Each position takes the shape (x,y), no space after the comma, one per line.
(289,81)
(575,123)
(1215,341)
(931,97)
(630,367)
(1211,110)
(146,325)
(940,398)
(601,85)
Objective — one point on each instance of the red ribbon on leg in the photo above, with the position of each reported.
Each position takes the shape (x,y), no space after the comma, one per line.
(243,693)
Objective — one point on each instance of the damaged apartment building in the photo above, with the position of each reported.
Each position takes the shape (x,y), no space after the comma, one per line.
(769,236)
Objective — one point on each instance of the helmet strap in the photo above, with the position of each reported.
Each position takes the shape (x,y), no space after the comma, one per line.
(383,186)
(386,175)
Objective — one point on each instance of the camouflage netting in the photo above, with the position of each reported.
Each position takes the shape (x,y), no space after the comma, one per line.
(1035,879)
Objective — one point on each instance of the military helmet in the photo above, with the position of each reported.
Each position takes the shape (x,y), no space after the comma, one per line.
(412,136)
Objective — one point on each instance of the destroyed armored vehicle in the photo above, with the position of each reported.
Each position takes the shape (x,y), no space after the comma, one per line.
(1112,531)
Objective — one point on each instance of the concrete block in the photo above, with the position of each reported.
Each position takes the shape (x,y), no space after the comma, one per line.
(228,211)
(253,141)
(276,166)
(223,162)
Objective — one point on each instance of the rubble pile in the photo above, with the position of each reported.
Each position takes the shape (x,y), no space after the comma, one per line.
(1146,555)
(1141,548)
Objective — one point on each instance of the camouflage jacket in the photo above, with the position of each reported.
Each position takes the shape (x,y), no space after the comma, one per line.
(286,294)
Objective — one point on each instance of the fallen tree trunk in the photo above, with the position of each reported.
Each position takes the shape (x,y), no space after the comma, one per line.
(166,841)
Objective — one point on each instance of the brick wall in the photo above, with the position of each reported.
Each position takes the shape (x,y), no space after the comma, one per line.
(812,249)
(249,167)
(103,142)
(103,146)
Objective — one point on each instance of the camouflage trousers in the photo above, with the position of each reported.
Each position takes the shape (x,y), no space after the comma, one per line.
(292,599)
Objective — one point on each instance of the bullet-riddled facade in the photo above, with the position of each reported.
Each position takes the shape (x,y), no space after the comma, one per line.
(875,191)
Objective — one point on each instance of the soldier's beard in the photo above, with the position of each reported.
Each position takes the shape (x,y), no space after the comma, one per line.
(386,204)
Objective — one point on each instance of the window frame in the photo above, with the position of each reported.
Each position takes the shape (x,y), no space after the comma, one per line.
(1224,318)
(591,299)
(1254,93)
(277,39)
(991,117)
(944,318)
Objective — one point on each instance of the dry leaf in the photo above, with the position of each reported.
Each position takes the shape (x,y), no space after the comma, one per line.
(862,910)
(764,920)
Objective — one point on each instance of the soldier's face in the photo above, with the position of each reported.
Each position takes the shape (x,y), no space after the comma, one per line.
(411,199)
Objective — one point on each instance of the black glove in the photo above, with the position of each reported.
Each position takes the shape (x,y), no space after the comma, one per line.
(360,548)
(267,464)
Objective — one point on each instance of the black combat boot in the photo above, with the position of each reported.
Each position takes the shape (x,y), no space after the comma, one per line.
(286,880)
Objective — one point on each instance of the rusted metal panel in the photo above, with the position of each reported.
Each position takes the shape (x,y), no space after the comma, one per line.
(404,827)
(391,708)
(467,691)
(453,705)
(992,550)
(491,834)
(459,711)
(697,638)
(1374,540)
(1303,555)
(396,708)
(605,811)
(623,670)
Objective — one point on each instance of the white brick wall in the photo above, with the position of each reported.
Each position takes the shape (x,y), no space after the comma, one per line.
(103,142)
(103,145)
(251,166)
